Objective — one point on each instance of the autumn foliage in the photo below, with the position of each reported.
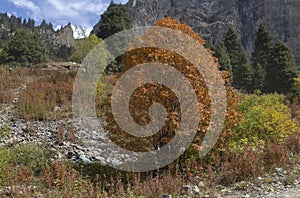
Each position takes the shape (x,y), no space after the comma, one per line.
(147,94)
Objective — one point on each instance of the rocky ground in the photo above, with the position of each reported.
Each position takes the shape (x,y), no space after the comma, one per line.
(280,184)
(63,141)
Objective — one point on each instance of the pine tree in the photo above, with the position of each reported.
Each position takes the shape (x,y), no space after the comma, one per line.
(223,57)
(241,69)
(43,25)
(24,23)
(25,47)
(13,21)
(4,19)
(260,58)
(282,69)
(30,24)
(115,19)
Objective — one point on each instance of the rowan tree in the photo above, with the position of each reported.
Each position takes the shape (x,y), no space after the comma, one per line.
(144,96)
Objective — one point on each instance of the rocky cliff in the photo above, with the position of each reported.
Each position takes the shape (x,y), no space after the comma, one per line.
(62,37)
(211,18)
(59,42)
(10,24)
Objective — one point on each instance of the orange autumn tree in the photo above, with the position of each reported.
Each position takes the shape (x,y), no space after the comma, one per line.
(150,93)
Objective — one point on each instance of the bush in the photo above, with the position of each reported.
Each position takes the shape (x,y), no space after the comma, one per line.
(1,56)
(31,157)
(96,171)
(4,131)
(34,156)
(4,162)
(263,118)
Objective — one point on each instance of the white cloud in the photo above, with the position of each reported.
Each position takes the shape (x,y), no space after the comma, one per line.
(79,13)
(77,9)
(28,5)
(84,13)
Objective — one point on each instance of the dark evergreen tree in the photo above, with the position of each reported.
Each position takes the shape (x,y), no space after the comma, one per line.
(25,47)
(43,25)
(282,69)
(13,21)
(30,24)
(241,69)
(260,58)
(19,22)
(115,19)
(4,19)
(224,59)
(24,23)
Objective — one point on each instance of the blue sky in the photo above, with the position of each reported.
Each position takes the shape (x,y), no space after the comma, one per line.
(83,13)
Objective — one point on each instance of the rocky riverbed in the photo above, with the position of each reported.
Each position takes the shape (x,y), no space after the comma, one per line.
(65,139)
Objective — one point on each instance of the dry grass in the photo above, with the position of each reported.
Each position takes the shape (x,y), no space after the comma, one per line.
(47,97)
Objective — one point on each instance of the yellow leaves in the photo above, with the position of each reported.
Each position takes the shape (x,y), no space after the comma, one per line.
(264,118)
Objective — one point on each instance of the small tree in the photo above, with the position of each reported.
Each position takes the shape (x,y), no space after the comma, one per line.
(30,24)
(282,69)
(25,47)
(83,46)
(114,20)
(241,69)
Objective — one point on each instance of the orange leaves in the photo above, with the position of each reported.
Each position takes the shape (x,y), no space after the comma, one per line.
(150,93)
(183,27)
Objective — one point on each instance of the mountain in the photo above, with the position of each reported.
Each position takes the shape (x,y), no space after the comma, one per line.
(212,18)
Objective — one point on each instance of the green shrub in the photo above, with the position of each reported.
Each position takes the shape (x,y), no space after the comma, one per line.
(4,162)
(1,57)
(263,118)
(95,171)
(34,156)
(28,156)
(4,131)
